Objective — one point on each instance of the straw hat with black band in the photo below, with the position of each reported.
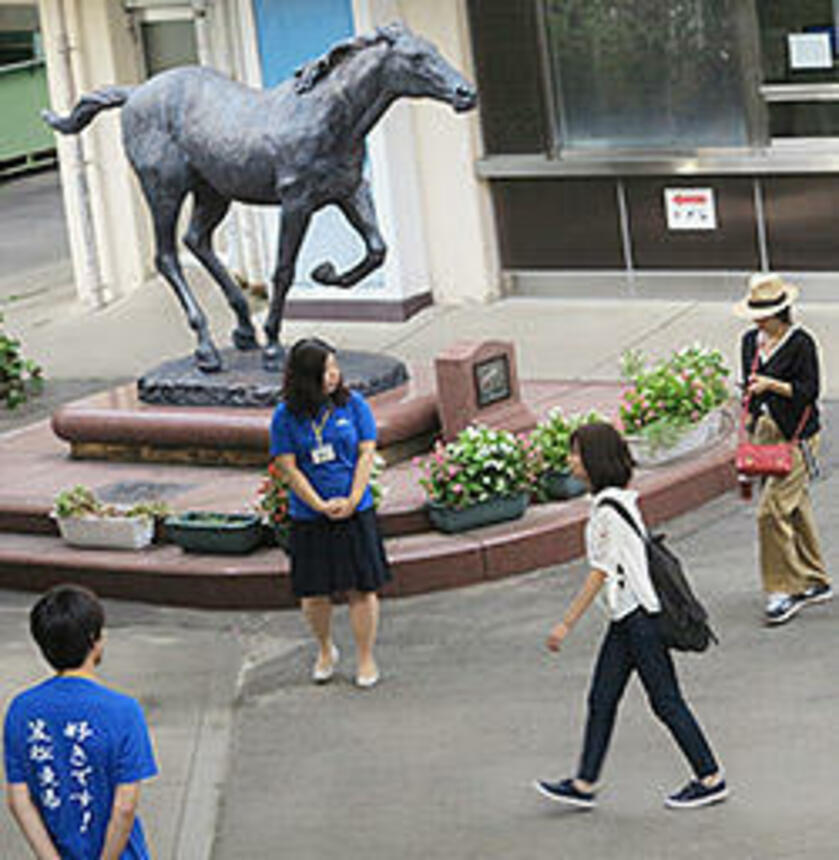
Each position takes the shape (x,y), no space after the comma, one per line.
(768,294)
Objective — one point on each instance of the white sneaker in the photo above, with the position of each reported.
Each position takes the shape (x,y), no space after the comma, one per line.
(321,674)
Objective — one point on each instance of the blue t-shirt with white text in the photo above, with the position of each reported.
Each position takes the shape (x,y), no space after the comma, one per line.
(343,429)
(73,741)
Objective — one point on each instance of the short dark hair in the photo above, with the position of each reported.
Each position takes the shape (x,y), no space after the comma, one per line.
(303,380)
(66,623)
(605,455)
(784,316)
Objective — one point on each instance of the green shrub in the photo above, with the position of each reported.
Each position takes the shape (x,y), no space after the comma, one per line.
(19,377)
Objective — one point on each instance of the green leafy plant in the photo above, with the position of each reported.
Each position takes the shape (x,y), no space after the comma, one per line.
(19,377)
(552,437)
(81,501)
(480,464)
(672,394)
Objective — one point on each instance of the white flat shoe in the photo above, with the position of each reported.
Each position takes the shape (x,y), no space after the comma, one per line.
(322,674)
(365,682)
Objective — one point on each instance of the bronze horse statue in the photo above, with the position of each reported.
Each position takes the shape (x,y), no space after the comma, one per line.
(300,145)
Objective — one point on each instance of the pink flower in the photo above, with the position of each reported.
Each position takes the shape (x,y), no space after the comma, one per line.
(694,416)
(457,488)
(453,470)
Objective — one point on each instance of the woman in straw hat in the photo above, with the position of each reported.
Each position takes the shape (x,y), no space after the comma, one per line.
(780,367)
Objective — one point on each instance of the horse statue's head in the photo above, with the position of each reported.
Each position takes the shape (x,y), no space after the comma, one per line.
(415,68)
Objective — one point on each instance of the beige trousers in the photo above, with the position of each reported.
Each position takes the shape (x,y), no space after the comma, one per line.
(790,554)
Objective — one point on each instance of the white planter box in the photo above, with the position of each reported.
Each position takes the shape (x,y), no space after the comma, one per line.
(694,438)
(107,532)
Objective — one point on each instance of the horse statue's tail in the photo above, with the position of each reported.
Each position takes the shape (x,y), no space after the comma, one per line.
(86,109)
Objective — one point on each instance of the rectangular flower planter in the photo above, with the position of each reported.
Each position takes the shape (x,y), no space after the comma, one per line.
(107,532)
(207,532)
(486,513)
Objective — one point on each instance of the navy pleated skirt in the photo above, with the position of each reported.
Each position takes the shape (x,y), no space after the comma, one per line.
(333,556)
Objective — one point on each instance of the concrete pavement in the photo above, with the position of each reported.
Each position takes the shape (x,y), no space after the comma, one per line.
(436,762)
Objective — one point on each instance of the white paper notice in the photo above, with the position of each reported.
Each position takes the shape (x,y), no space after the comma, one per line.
(810,51)
(690,208)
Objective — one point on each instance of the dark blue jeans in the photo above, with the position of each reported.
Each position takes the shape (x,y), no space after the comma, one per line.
(634,643)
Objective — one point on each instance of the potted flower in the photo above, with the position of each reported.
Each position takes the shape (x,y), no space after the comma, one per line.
(484,476)
(552,438)
(272,504)
(674,406)
(83,520)
(272,499)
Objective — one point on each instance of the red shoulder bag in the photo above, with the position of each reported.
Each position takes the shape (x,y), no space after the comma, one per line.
(763,461)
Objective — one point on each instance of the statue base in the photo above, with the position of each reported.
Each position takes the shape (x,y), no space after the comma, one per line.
(245,383)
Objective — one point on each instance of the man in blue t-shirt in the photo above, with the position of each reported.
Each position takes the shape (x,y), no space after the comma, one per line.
(75,751)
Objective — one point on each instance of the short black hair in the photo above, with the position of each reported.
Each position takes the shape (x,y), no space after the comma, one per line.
(784,316)
(66,623)
(303,379)
(605,455)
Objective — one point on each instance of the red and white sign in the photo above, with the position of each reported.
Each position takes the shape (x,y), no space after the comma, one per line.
(690,208)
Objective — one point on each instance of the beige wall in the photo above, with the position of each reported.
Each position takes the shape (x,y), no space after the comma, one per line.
(459,222)
(102,52)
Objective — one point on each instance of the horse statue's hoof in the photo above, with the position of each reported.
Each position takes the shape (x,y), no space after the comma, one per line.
(272,358)
(208,359)
(244,339)
(325,274)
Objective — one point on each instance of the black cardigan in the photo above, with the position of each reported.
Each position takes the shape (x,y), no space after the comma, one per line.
(796,361)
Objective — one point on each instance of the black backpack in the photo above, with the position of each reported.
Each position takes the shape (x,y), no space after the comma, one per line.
(683,621)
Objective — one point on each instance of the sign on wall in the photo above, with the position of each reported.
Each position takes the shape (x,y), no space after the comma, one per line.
(690,208)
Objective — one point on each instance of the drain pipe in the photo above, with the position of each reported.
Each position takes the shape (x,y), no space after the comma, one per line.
(90,274)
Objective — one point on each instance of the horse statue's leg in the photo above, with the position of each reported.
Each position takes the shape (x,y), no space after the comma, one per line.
(165,190)
(293,224)
(361,213)
(208,211)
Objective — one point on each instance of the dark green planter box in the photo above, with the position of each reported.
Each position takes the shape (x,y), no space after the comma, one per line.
(562,485)
(482,514)
(203,531)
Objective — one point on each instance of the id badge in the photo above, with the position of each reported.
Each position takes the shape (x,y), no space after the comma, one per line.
(323,454)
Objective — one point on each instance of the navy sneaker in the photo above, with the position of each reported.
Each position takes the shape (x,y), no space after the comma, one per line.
(818,593)
(566,792)
(782,607)
(695,794)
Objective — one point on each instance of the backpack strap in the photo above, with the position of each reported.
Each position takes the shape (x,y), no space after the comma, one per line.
(625,515)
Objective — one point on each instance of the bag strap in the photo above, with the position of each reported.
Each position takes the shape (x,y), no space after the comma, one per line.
(744,416)
(742,435)
(625,515)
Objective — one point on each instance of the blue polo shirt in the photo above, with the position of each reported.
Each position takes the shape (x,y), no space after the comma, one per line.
(344,428)
(73,741)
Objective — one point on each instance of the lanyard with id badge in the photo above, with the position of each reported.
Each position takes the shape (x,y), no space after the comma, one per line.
(323,452)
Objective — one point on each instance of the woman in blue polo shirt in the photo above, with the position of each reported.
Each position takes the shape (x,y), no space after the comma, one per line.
(323,437)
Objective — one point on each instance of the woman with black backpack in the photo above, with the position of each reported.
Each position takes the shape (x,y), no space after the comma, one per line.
(618,559)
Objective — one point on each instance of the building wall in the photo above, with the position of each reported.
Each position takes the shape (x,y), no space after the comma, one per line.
(101,52)
(459,223)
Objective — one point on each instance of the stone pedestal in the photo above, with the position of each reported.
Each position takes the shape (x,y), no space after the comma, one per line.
(244,382)
(478,383)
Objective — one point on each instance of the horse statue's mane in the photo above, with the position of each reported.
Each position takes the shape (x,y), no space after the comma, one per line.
(312,73)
